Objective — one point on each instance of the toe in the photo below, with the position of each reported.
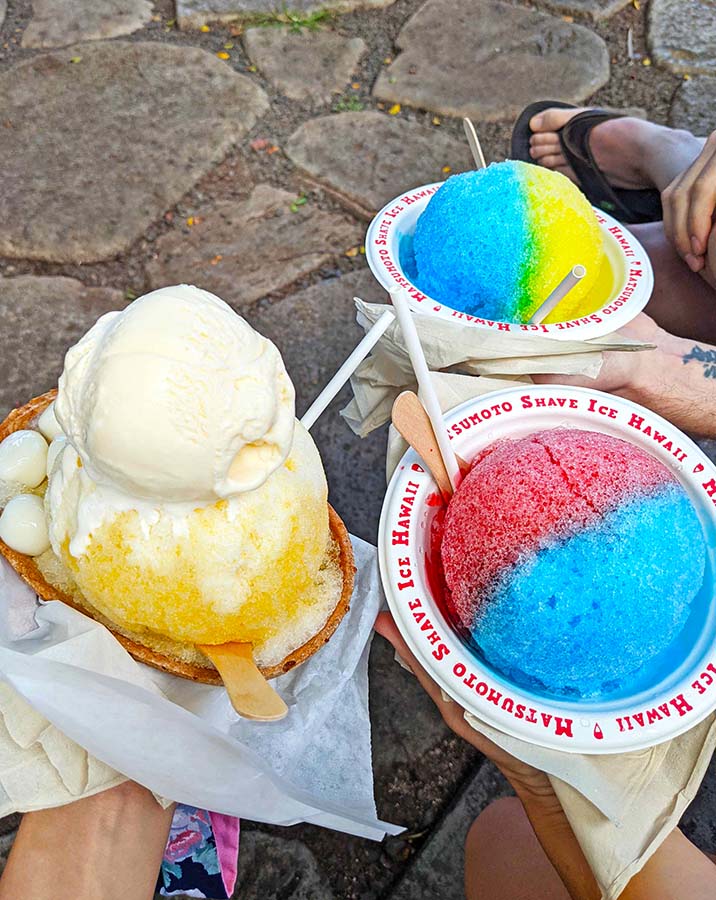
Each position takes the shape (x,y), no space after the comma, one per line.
(540,152)
(552,119)
(551,160)
(544,139)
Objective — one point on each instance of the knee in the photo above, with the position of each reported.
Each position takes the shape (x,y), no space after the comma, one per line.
(498,819)
(651,235)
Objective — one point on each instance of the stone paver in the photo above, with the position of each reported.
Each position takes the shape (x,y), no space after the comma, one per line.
(708,446)
(693,107)
(193,13)
(114,140)
(40,317)
(698,822)
(366,158)
(56,24)
(487,60)
(8,830)
(243,251)
(438,869)
(275,866)
(682,35)
(596,9)
(305,65)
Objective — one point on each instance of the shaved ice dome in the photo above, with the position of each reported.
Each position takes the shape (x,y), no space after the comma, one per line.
(496,242)
(245,569)
(571,560)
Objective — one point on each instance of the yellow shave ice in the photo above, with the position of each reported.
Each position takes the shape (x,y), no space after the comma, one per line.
(187,500)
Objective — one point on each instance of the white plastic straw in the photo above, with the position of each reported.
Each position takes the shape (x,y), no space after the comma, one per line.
(347,369)
(474,143)
(558,294)
(427,391)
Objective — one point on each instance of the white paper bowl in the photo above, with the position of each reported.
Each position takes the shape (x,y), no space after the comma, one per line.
(390,238)
(678,696)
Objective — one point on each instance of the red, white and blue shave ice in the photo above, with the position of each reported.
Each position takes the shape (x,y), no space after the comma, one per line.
(571,560)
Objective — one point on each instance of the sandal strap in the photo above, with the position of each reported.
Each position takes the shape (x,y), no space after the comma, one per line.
(575,143)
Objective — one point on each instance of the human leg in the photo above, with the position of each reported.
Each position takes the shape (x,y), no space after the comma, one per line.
(682,302)
(109,846)
(504,859)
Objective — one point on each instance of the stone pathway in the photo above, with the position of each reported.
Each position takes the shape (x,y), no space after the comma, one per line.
(247,156)
(118,133)
(694,107)
(40,317)
(595,9)
(271,239)
(194,13)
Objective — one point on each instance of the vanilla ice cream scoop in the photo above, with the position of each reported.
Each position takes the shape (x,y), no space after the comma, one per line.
(177,399)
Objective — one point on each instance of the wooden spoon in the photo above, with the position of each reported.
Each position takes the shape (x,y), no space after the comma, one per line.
(250,693)
(413,423)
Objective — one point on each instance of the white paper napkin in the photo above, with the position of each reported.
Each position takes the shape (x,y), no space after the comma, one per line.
(94,712)
(451,345)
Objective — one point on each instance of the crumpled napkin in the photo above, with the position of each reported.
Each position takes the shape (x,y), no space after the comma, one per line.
(39,766)
(452,345)
(621,806)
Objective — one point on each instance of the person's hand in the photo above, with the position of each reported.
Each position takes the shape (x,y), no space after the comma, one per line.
(623,372)
(689,203)
(526,780)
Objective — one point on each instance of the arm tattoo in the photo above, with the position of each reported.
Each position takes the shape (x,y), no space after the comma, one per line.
(707,358)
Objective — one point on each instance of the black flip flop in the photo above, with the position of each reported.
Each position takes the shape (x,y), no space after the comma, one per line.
(630,206)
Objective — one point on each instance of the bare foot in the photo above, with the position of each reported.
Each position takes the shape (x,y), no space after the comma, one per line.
(632,153)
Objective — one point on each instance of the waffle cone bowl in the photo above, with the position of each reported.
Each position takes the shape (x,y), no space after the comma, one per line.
(156,650)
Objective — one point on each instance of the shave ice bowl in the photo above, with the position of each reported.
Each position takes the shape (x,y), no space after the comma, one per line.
(671,692)
(624,287)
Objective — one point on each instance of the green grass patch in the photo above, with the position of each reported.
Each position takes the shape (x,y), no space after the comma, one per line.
(296,21)
(349,104)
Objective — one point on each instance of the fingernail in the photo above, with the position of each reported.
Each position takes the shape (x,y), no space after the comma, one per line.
(696,246)
(533,152)
(695,263)
(536,123)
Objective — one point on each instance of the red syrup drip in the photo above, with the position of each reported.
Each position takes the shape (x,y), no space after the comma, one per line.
(434,572)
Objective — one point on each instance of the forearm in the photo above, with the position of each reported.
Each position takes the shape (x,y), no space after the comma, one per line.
(678,381)
(107,846)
